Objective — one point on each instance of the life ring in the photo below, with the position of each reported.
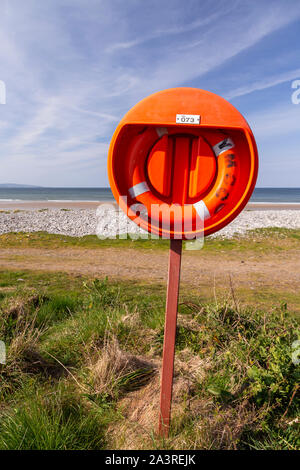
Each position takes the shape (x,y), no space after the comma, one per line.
(214,200)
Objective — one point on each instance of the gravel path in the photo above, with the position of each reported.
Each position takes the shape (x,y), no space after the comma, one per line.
(108,221)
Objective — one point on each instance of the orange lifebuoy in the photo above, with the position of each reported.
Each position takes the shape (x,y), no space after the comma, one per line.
(141,190)
(187,154)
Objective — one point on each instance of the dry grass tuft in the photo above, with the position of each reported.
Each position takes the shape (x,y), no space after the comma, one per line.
(140,411)
(17,308)
(113,371)
(25,334)
(197,423)
(23,350)
(25,338)
(141,408)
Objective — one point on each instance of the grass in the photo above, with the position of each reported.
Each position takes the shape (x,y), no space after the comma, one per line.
(43,239)
(54,420)
(258,241)
(83,357)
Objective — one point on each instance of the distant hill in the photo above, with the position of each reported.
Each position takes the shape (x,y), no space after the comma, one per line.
(13,185)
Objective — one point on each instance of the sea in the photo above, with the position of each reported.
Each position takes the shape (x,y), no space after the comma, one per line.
(260,195)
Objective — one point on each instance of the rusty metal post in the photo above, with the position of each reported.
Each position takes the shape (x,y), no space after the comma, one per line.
(169,337)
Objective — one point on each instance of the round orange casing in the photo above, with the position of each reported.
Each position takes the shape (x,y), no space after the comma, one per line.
(198,170)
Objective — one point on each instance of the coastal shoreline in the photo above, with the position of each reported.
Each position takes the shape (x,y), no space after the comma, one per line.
(78,219)
(68,204)
(31,205)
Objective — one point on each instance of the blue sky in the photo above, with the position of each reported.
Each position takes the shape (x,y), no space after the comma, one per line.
(72,69)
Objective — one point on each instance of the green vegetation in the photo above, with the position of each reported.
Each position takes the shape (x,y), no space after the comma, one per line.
(259,241)
(47,240)
(84,354)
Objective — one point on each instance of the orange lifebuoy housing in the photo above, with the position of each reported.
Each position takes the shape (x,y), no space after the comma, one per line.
(170,177)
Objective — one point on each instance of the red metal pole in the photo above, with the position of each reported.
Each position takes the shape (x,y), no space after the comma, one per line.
(169,337)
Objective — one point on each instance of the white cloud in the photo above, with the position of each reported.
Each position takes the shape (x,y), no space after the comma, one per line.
(66,93)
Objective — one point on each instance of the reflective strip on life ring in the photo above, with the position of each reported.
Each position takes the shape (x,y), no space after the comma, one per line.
(138,189)
(202,209)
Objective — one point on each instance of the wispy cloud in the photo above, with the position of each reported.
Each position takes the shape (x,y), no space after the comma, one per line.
(220,44)
(263,84)
(176,30)
(72,68)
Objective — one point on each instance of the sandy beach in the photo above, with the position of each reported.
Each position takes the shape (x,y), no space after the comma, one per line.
(104,218)
(30,205)
(19,205)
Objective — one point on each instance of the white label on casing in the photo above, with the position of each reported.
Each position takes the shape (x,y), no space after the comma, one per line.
(188,118)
